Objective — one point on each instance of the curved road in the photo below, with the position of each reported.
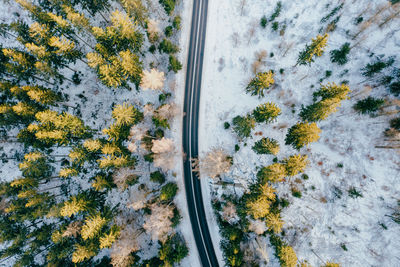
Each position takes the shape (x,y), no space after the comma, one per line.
(190,134)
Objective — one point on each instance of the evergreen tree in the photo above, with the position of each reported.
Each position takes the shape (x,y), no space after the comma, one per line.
(287,256)
(108,238)
(75,205)
(266,146)
(173,250)
(261,82)
(258,206)
(331,90)
(267,112)
(169,6)
(302,134)
(168,47)
(93,226)
(320,110)
(83,252)
(316,48)
(274,223)
(295,164)
(126,114)
(242,126)
(369,105)
(339,56)
(275,172)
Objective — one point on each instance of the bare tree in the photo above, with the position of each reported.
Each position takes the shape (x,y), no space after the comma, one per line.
(137,198)
(152,80)
(259,61)
(164,145)
(123,176)
(242,6)
(215,163)
(168,111)
(257,227)
(121,251)
(235,39)
(229,213)
(159,224)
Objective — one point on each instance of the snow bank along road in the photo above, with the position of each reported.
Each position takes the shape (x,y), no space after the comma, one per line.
(190,134)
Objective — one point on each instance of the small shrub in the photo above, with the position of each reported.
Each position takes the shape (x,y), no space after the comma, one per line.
(395,88)
(168,192)
(353,193)
(395,123)
(157,177)
(263,22)
(237,148)
(174,64)
(275,26)
(169,5)
(176,23)
(277,11)
(168,31)
(296,193)
(168,47)
(227,125)
(304,176)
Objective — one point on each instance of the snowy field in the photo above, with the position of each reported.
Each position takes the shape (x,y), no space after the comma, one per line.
(326,223)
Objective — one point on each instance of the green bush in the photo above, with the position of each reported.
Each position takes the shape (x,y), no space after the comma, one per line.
(169,5)
(168,192)
(176,23)
(157,177)
(174,64)
(168,47)
(263,22)
(168,31)
(395,123)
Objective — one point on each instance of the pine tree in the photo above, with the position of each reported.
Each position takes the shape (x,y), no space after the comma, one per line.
(124,25)
(266,146)
(83,252)
(316,48)
(95,59)
(41,95)
(242,126)
(126,114)
(331,90)
(274,222)
(77,19)
(38,51)
(272,173)
(93,226)
(110,74)
(369,105)
(331,264)
(131,66)
(296,164)
(107,239)
(68,172)
(287,256)
(92,145)
(261,82)
(339,56)
(320,110)
(75,205)
(136,10)
(267,112)
(302,134)
(258,206)
(101,183)
(64,47)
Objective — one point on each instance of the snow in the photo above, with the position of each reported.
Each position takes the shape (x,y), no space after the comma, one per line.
(318,223)
(96,102)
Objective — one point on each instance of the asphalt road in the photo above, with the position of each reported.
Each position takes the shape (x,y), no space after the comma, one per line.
(190,134)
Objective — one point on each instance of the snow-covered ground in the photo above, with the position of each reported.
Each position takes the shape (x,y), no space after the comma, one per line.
(325,223)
